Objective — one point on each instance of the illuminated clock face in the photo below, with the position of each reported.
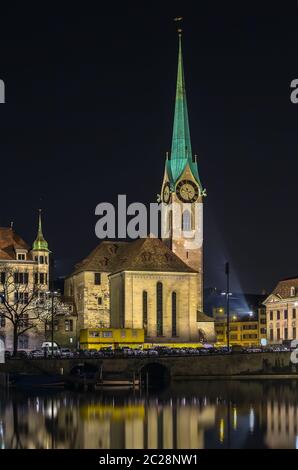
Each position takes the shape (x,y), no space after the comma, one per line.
(166,193)
(187,191)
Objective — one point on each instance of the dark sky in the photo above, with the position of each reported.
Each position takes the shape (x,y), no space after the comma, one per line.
(90,100)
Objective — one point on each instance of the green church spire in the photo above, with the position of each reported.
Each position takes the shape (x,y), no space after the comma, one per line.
(181,153)
(40,243)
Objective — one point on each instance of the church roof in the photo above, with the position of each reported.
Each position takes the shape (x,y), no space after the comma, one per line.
(181,153)
(202,317)
(102,259)
(143,254)
(9,242)
(150,254)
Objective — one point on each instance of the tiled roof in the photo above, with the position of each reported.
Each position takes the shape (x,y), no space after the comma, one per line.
(283,288)
(9,242)
(143,254)
(102,258)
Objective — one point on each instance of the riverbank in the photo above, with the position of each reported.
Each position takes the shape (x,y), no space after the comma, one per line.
(177,368)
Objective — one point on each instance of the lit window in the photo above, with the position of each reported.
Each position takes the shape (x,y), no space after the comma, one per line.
(186,221)
(174,314)
(107,334)
(159,309)
(94,334)
(68,325)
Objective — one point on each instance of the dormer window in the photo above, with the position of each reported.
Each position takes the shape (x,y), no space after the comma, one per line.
(292,291)
(21,255)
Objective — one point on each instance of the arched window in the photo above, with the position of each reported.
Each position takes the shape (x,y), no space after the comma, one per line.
(145,311)
(159,312)
(293,291)
(2,349)
(186,221)
(170,221)
(174,314)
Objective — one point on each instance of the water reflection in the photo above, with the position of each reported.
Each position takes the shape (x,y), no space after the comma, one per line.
(209,415)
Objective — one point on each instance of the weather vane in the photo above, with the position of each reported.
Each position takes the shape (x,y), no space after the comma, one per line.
(178,19)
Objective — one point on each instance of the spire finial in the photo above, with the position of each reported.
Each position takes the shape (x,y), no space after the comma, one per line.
(178,20)
(40,243)
(181,151)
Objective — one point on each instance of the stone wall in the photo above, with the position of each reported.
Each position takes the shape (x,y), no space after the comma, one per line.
(179,367)
(86,295)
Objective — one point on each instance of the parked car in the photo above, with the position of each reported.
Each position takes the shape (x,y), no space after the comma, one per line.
(66,353)
(36,353)
(127,352)
(83,353)
(138,352)
(108,352)
(49,349)
(152,352)
(21,355)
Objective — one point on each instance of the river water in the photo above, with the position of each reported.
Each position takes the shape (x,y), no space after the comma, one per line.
(192,415)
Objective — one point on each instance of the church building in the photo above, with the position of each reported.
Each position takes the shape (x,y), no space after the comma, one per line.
(150,283)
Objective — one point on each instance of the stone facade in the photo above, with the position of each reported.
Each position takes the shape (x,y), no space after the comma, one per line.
(189,244)
(16,258)
(127,304)
(92,299)
(148,283)
(121,274)
(282,312)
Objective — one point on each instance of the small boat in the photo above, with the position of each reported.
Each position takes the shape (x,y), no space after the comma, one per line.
(119,384)
(30,381)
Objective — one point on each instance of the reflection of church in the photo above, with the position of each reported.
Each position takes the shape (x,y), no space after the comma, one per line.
(153,284)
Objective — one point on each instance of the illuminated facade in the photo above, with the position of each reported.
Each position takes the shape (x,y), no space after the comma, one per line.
(246,331)
(30,267)
(282,312)
(30,270)
(152,284)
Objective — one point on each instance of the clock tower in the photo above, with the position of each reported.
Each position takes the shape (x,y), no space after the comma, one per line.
(182,192)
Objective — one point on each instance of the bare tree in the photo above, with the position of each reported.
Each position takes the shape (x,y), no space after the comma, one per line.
(20,301)
(52,310)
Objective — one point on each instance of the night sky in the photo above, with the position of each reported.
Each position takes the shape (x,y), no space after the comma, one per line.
(90,101)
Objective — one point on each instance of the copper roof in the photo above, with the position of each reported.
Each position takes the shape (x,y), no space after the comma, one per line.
(143,254)
(9,242)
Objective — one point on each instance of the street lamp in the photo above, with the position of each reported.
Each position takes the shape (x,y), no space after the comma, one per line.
(52,295)
(227,271)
